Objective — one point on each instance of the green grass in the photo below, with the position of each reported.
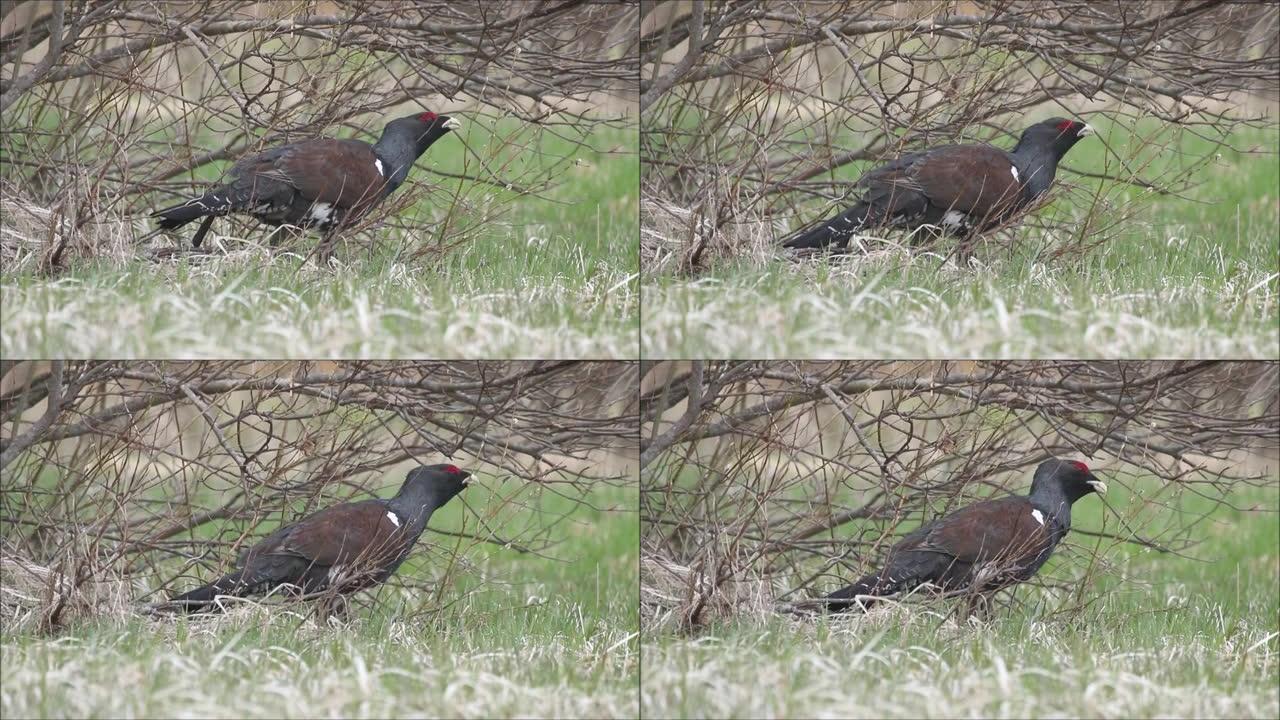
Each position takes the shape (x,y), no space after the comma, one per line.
(541,276)
(515,635)
(1158,636)
(1181,278)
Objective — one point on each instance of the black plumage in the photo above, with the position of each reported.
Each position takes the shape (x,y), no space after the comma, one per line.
(343,548)
(983,547)
(962,190)
(323,183)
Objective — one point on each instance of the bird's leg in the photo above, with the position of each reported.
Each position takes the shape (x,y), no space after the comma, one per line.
(964,249)
(286,232)
(273,238)
(984,606)
(333,604)
(923,239)
(322,610)
(324,250)
(340,607)
(977,601)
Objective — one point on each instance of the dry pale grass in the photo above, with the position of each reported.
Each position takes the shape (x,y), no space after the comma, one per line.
(252,665)
(675,597)
(249,301)
(91,322)
(33,236)
(674,238)
(862,308)
(41,239)
(900,664)
(33,596)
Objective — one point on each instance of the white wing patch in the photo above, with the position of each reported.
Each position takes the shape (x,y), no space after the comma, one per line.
(320,212)
(378,164)
(1038,516)
(953,219)
(1014,170)
(396,521)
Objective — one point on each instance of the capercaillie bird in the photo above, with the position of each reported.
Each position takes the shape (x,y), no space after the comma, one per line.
(959,190)
(980,548)
(343,549)
(323,184)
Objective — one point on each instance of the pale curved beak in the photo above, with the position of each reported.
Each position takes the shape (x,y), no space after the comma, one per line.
(1083,131)
(451,124)
(1098,486)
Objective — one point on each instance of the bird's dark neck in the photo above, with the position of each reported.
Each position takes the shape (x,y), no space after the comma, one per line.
(414,509)
(398,151)
(1055,507)
(1037,165)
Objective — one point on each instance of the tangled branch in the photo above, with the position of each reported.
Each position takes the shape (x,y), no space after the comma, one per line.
(781,475)
(750,109)
(125,470)
(111,108)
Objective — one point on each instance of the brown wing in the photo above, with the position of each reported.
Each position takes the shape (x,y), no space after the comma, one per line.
(1005,530)
(977,180)
(360,533)
(342,173)
(893,183)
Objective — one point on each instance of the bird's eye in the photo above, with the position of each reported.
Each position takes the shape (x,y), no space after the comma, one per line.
(452,469)
(427,116)
(1079,466)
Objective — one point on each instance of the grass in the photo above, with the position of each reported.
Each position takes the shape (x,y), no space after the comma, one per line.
(1182,278)
(1159,636)
(551,276)
(514,635)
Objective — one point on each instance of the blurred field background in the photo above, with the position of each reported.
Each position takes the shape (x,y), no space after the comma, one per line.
(767,483)
(514,236)
(1159,239)
(519,599)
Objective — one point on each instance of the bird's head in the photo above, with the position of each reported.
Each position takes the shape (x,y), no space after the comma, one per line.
(1071,478)
(1059,134)
(438,482)
(419,130)
(427,122)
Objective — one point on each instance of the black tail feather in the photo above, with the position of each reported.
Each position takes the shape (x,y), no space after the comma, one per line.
(833,231)
(202,598)
(845,598)
(216,202)
(174,217)
(179,215)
